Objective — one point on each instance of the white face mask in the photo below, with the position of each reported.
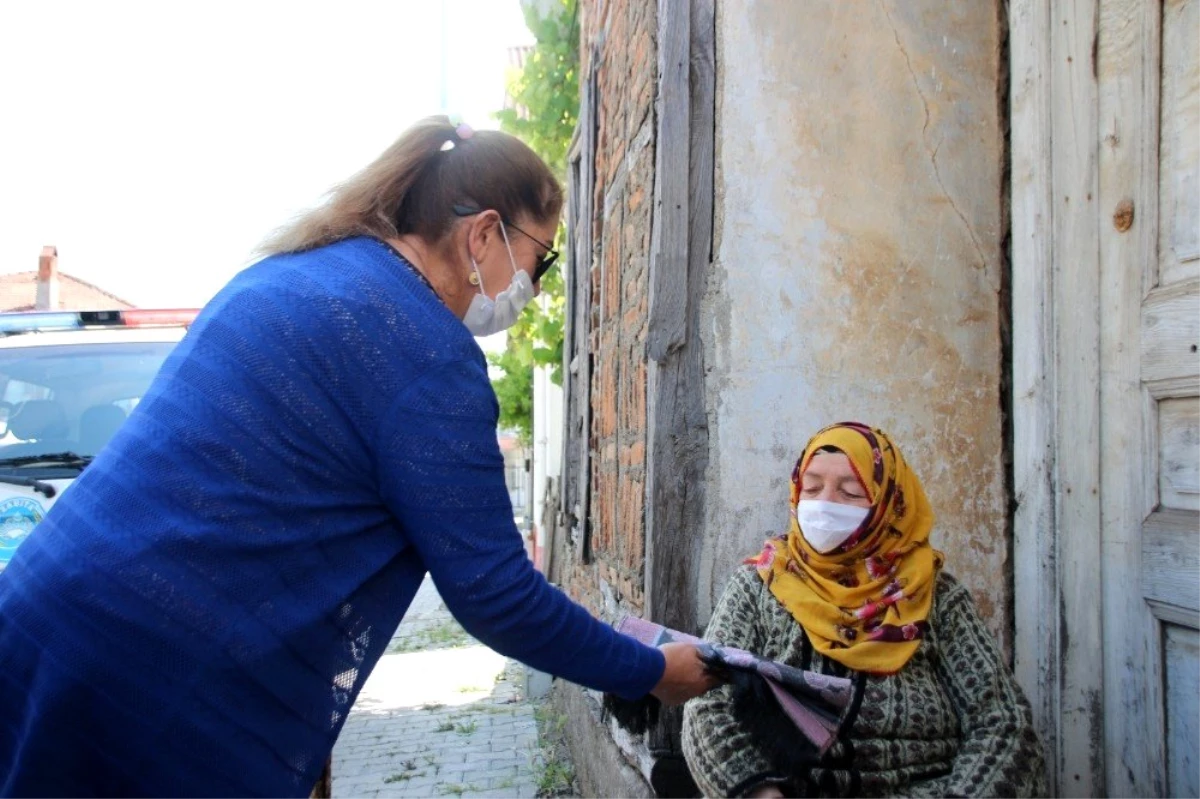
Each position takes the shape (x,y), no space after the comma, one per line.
(827,525)
(486,316)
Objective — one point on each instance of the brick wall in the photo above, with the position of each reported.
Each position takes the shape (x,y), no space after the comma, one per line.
(618,47)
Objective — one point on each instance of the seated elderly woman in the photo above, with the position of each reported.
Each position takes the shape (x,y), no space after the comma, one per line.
(855,590)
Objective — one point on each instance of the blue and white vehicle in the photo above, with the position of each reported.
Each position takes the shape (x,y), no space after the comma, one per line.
(68,380)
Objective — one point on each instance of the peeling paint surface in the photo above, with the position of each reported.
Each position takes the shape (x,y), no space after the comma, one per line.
(858,264)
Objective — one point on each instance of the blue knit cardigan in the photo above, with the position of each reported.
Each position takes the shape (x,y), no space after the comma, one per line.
(197,613)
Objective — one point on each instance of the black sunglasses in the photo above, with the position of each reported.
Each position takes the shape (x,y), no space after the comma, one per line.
(543,264)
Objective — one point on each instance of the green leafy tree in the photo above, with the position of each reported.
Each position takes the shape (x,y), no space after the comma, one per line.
(546,90)
(546,94)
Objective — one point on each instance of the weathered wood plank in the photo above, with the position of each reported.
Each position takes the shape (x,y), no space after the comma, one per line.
(702,136)
(681,248)
(1171,333)
(1173,614)
(677,453)
(1076,314)
(583,336)
(577,359)
(1035,583)
(667,327)
(1170,559)
(1127,135)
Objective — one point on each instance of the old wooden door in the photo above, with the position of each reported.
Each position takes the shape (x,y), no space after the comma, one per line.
(1106,388)
(1148,70)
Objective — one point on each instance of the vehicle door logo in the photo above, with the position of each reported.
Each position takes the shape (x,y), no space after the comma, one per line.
(18,517)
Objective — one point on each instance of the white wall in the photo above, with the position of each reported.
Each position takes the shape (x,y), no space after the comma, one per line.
(858,263)
(547,444)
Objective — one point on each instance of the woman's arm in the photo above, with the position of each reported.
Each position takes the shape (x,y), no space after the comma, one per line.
(720,752)
(442,476)
(1000,754)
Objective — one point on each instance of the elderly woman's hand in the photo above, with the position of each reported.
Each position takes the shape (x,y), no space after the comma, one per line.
(685,675)
(770,789)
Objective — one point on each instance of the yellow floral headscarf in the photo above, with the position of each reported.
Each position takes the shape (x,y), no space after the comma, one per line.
(865,604)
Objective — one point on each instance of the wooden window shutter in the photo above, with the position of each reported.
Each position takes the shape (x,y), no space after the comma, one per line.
(577,355)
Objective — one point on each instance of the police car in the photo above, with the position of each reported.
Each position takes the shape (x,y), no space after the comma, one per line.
(68,380)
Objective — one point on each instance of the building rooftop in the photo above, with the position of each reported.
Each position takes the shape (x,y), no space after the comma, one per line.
(19,291)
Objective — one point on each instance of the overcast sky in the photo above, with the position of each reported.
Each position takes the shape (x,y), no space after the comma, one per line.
(157,143)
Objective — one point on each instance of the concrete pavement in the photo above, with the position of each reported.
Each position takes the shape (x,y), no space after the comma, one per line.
(441,715)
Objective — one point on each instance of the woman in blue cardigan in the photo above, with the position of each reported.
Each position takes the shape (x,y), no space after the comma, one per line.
(197,614)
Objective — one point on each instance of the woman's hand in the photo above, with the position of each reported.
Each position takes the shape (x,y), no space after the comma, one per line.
(770,789)
(685,675)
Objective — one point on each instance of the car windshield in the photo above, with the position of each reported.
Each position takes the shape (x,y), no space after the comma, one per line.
(70,398)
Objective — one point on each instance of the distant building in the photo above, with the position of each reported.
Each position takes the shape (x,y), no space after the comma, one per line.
(516,471)
(518,476)
(48,289)
(516,61)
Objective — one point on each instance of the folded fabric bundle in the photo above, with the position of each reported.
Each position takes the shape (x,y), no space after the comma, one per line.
(779,695)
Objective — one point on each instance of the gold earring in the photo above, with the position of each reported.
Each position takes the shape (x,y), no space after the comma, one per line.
(473,278)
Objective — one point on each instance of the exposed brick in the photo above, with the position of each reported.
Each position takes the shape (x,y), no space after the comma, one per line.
(636,304)
(636,197)
(605,398)
(613,247)
(624,67)
(633,454)
(631,492)
(633,398)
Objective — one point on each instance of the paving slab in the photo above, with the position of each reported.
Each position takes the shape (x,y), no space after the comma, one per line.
(440,716)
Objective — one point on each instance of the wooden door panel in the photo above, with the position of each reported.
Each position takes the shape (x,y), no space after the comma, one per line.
(1179,453)
(1181,653)
(1171,376)
(1179,147)
(1170,338)
(1170,563)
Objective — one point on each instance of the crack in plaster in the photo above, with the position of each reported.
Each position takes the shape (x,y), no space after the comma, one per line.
(933,151)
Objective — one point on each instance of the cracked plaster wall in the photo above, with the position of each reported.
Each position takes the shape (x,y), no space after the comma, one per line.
(858,264)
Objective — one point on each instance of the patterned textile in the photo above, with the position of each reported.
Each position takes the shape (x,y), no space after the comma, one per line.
(814,704)
(951,723)
(866,603)
(199,610)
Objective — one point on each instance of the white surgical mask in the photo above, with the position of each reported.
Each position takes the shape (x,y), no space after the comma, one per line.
(827,525)
(486,316)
